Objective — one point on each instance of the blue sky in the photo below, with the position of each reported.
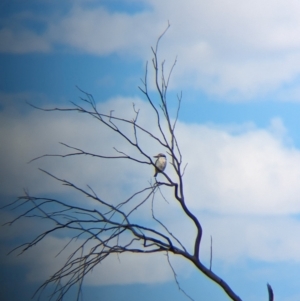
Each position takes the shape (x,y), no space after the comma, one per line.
(238,69)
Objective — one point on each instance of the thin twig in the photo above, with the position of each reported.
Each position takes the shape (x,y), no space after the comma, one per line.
(176,280)
(211,253)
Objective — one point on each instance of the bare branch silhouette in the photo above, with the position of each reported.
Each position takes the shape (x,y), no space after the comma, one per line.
(270,292)
(108,227)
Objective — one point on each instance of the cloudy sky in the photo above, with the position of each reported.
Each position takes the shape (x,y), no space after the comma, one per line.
(238,68)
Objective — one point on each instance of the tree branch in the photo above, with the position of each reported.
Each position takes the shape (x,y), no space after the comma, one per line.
(103,228)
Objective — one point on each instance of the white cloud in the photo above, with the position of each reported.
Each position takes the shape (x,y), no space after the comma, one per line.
(252,172)
(244,52)
(22,41)
(258,238)
(100,32)
(236,50)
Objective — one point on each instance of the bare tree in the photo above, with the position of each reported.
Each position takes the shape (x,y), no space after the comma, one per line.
(109,226)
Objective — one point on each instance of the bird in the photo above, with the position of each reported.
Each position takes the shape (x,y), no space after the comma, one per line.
(160,163)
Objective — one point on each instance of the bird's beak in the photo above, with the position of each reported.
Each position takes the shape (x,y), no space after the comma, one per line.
(155,156)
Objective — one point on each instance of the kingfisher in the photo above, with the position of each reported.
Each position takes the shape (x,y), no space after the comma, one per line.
(160,163)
